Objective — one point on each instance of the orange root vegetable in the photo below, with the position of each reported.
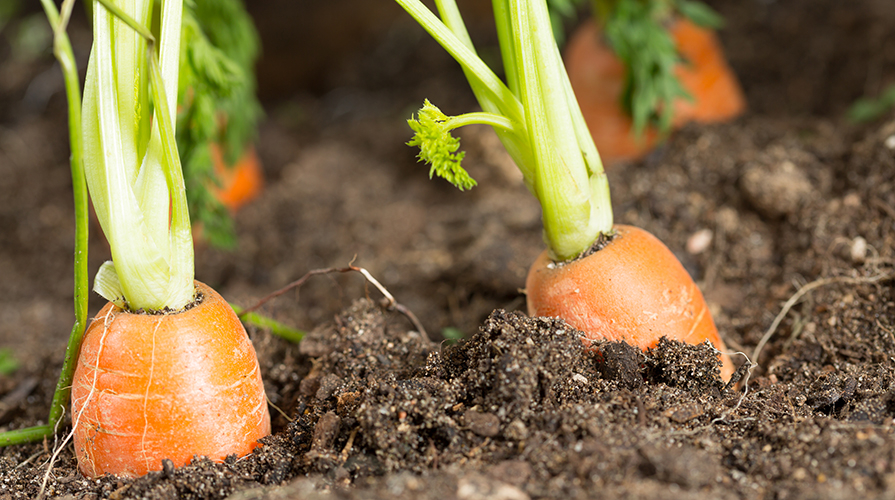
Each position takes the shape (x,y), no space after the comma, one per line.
(597,77)
(634,289)
(242,182)
(153,386)
(706,76)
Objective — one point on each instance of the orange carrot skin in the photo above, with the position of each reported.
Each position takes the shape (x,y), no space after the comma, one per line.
(634,289)
(597,77)
(706,76)
(150,387)
(241,183)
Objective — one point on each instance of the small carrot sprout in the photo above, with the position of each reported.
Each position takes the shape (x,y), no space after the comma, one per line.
(438,147)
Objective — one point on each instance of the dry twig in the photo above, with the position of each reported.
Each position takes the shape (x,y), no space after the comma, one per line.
(388,303)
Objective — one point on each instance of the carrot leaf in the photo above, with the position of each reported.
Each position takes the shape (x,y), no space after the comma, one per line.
(8,362)
(438,147)
(700,13)
(217,104)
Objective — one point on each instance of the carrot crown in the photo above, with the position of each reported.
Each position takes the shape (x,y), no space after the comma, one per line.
(535,114)
(131,161)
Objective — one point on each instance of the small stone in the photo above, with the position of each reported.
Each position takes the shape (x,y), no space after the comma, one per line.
(515,472)
(699,241)
(858,250)
(477,487)
(852,200)
(684,413)
(516,430)
(727,219)
(325,431)
(483,424)
(776,190)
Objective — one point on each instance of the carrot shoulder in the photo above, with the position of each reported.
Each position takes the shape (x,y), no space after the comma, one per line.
(151,387)
(634,289)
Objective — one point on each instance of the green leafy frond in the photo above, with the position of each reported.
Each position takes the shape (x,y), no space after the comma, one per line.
(699,13)
(638,36)
(218,103)
(438,148)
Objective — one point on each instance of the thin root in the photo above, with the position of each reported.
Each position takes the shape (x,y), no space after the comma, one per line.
(801,293)
(746,369)
(277,408)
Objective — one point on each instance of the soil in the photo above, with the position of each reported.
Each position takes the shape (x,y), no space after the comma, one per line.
(789,211)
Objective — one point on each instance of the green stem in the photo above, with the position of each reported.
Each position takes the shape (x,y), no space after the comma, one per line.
(499,122)
(26,435)
(63,50)
(476,70)
(128,20)
(293,335)
(548,138)
(64,53)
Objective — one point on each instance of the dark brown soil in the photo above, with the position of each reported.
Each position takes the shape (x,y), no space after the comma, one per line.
(788,199)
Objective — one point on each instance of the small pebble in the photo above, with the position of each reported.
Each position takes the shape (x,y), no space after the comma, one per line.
(890,142)
(858,250)
(699,241)
(483,424)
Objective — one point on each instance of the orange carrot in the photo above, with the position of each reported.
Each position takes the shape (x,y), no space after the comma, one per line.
(153,386)
(240,183)
(634,289)
(705,74)
(597,76)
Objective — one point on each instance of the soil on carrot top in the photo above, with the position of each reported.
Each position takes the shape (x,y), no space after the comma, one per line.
(788,202)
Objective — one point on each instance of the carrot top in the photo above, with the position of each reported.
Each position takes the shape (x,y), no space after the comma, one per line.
(131,161)
(534,113)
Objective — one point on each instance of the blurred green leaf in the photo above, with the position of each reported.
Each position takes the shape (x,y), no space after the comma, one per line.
(8,363)
(32,37)
(8,10)
(452,335)
(867,109)
(700,14)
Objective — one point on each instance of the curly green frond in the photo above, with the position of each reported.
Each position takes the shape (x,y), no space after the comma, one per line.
(438,147)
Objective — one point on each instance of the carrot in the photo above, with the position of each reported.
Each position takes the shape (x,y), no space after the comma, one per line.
(166,369)
(633,289)
(711,91)
(153,386)
(705,75)
(239,183)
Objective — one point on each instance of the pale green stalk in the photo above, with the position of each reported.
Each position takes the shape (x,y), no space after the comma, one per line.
(133,181)
(546,135)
